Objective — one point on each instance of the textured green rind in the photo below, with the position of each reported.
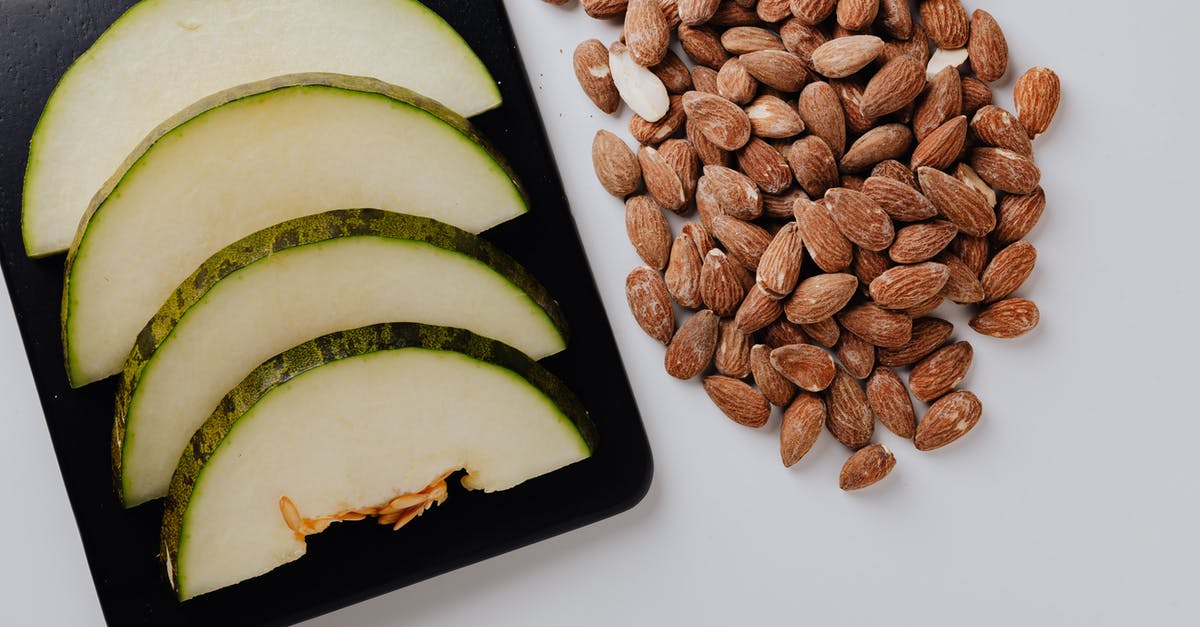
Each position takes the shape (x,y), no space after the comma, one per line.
(146,5)
(304,231)
(313,79)
(327,349)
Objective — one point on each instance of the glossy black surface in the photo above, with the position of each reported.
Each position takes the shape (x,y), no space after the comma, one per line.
(353,561)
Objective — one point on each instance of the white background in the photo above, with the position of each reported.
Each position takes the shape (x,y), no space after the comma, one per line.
(1075,501)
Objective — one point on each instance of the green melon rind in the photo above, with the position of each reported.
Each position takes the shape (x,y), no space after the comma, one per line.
(180,120)
(304,231)
(114,30)
(327,349)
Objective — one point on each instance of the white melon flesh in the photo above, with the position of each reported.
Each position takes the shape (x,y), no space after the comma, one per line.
(164,55)
(354,434)
(293,296)
(256,161)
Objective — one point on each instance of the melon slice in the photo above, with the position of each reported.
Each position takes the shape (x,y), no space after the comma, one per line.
(295,281)
(256,156)
(164,55)
(357,423)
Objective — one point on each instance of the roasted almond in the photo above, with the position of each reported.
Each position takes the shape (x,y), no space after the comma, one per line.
(765,167)
(662,181)
(830,250)
(856,354)
(921,242)
(604,9)
(975,95)
(779,268)
(843,57)
(708,152)
(683,273)
(673,73)
(813,165)
(850,92)
(868,265)
(591,69)
(696,12)
(780,207)
(892,169)
(758,310)
(890,402)
(1037,94)
(856,15)
(1007,319)
(896,85)
(771,11)
(812,11)
(895,18)
(821,110)
(692,348)
(735,14)
(907,286)
(850,419)
(975,252)
(876,325)
(744,242)
(650,303)
(648,231)
(938,374)
(679,154)
(721,121)
(720,288)
(964,206)
(940,149)
(737,400)
(735,193)
(860,218)
(899,200)
(704,79)
(1018,215)
(1008,270)
(646,32)
(890,141)
(809,367)
(802,39)
(1006,170)
(987,47)
(772,118)
(666,127)
(926,307)
(778,69)
(819,297)
(963,286)
(616,166)
(946,22)
(703,46)
(916,47)
(950,418)
(743,39)
(927,335)
(734,82)
(802,425)
(781,333)
(996,127)
(866,467)
(777,390)
(732,357)
(824,332)
(942,101)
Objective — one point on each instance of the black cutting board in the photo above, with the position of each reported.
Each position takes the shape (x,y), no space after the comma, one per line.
(349,562)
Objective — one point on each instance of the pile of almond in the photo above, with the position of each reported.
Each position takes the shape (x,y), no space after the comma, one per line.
(849,175)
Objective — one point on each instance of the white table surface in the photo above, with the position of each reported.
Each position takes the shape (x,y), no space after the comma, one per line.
(1074,502)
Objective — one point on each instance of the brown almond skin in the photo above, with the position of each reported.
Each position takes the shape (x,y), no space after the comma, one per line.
(772,118)
(821,110)
(987,47)
(773,10)
(850,92)
(860,218)
(648,231)
(665,128)
(916,47)
(850,419)
(925,308)
(866,467)
(704,79)
(696,12)
(679,154)
(777,69)
(857,355)
(964,206)
(1037,95)
(721,121)
(868,265)
(744,242)
(921,242)
(998,128)
(737,400)
(734,82)
(646,32)
(812,11)
(898,199)
(765,166)
(802,39)
(820,297)
(781,333)
(743,39)
(683,273)
(896,85)
(975,252)
(813,165)
(1007,319)
(890,402)
(707,151)
(890,141)
(735,14)
(780,206)
(888,329)
(947,22)
(963,287)
(590,56)
(1006,170)
(662,181)
(938,374)
(927,335)
(975,95)
(808,367)
(907,286)
(802,424)
(942,101)
(604,9)
(720,289)
(856,15)
(758,310)
(779,268)
(843,57)
(774,386)
(674,73)
(829,249)
(703,46)
(1018,215)
(736,194)
(650,303)
(895,18)
(732,357)
(1008,270)
(700,237)
(616,166)
(940,149)
(824,332)
(950,418)
(692,348)
(896,171)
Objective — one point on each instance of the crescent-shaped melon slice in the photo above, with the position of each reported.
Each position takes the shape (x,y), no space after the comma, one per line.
(367,422)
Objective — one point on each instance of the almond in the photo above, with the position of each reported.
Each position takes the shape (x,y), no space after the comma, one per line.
(963,286)
(802,425)
(662,181)
(890,402)
(857,15)
(821,111)
(707,208)
(988,47)
(765,167)
(916,46)
(943,59)
(899,200)
(1006,170)
(680,156)
(820,297)
(735,193)
(850,93)
(1037,94)
(889,141)
(646,32)
(964,206)
(666,127)
(902,287)
(996,127)
(781,333)
(648,231)
(809,367)
(824,332)
(720,289)
(700,238)
(876,325)
(779,268)
(1008,270)
(843,57)
(744,242)
(736,13)
(853,182)
(743,39)
(975,252)
(772,11)
(860,218)
(866,467)
(691,350)
(670,9)
(830,250)
(650,303)
(703,46)
(732,357)
(850,419)
(777,390)
(938,374)
(927,335)
(721,121)
(737,400)
(812,12)
(673,73)
(696,12)
(868,265)
(857,355)
(638,86)
(950,418)
(734,82)
(942,101)
(941,148)
(946,21)
(704,79)
(591,69)
(975,95)
(708,152)
(779,207)
(813,165)
(772,118)
(802,39)
(921,242)
(895,18)
(1007,318)
(968,175)
(892,169)
(777,69)
(616,166)
(683,273)
(604,9)
(1018,215)
(758,310)
(894,86)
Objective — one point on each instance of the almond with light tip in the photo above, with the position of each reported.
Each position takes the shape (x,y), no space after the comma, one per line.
(866,467)
(947,420)
(802,424)
(939,373)
(1007,319)
(808,367)
(691,349)
(774,386)
(722,122)
(592,72)
(1037,95)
